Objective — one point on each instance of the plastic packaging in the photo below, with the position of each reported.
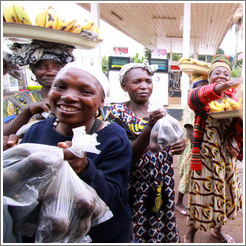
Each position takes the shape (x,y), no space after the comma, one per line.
(69,208)
(52,201)
(27,168)
(165,132)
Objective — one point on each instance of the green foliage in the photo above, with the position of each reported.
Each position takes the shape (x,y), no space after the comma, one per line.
(137,58)
(201,57)
(236,73)
(147,53)
(105,64)
(175,56)
(220,51)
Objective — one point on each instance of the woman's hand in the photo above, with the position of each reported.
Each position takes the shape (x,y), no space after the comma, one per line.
(10,141)
(178,147)
(78,164)
(234,83)
(39,107)
(155,116)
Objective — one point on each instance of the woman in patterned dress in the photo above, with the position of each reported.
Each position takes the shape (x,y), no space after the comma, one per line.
(45,59)
(197,80)
(152,177)
(215,193)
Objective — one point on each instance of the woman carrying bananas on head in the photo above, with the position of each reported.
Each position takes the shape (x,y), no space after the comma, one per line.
(215,191)
(45,59)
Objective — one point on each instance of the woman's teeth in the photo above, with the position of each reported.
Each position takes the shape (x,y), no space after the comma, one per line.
(69,109)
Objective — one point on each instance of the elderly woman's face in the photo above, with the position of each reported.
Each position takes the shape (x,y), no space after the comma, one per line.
(219,74)
(138,84)
(75,96)
(46,70)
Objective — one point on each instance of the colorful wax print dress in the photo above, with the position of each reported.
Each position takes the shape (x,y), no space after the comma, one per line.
(151,178)
(184,159)
(13,105)
(215,190)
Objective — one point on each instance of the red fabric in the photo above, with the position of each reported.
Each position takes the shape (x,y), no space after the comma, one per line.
(198,100)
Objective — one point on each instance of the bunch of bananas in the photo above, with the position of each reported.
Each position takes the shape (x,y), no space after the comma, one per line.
(192,61)
(15,12)
(47,17)
(226,105)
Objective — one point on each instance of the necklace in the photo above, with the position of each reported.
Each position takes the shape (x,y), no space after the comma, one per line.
(55,123)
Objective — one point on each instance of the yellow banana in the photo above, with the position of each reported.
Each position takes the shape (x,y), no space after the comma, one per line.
(226,105)
(88,25)
(40,19)
(77,28)
(10,13)
(216,107)
(233,104)
(58,23)
(22,14)
(68,25)
(51,18)
(95,29)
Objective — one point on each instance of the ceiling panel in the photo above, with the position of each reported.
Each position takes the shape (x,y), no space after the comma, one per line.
(159,25)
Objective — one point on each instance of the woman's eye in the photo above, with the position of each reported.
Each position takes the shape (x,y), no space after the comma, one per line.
(86,92)
(149,81)
(59,86)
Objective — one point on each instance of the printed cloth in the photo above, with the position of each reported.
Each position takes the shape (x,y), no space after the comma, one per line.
(145,65)
(150,177)
(215,192)
(220,60)
(29,54)
(13,105)
(197,78)
(184,159)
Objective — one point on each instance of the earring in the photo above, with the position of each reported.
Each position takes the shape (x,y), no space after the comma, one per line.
(98,113)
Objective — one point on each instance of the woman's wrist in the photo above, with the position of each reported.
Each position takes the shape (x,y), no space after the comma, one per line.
(27,111)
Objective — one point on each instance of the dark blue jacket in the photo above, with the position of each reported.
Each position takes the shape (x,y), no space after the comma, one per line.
(107,173)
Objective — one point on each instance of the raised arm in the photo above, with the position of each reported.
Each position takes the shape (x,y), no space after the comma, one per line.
(25,115)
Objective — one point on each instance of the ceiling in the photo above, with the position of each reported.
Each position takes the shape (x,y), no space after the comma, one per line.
(159,25)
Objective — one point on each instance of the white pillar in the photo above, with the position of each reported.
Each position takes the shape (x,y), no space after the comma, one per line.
(186,51)
(195,52)
(95,12)
(171,51)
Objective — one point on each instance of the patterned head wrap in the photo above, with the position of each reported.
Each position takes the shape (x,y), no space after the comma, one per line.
(145,65)
(220,60)
(13,70)
(30,54)
(93,71)
(197,78)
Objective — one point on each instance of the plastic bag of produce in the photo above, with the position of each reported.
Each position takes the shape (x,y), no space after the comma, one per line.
(165,132)
(27,168)
(69,208)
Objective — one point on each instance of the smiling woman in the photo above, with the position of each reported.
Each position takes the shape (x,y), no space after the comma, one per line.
(76,95)
(217,144)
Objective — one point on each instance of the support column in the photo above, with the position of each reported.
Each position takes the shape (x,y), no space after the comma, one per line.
(95,12)
(171,51)
(185,81)
(195,52)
